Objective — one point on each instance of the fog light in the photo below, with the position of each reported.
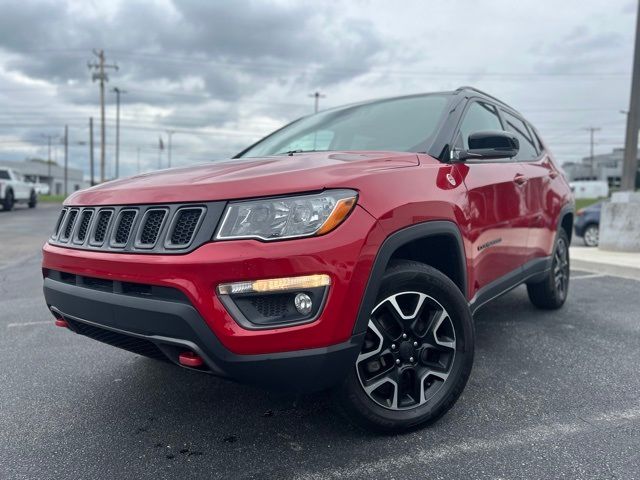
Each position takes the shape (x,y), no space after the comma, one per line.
(303,303)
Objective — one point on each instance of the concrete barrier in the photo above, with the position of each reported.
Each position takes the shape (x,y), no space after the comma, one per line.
(620,223)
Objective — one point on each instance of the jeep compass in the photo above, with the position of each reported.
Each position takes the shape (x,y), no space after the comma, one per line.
(347,251)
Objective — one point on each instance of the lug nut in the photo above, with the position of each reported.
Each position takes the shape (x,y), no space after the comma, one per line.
(404,335)
(393,346)
(397,361)
(415,344)
(411,359)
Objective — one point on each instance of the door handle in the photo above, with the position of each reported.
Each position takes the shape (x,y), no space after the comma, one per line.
(520,179)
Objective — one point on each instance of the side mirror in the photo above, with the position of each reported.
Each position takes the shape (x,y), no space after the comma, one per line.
(489,145)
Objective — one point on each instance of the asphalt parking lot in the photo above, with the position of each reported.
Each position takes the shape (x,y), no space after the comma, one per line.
(552,395)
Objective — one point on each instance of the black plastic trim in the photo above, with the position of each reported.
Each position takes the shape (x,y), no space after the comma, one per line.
(390,245)
(176,326)
(237,314)
(533,270)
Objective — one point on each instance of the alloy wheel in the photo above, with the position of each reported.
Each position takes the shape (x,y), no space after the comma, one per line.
(591,235)
(408,351)
(561,268)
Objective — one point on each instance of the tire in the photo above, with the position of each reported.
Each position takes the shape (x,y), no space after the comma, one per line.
(551,293)
(8,201)
(430,374)
(33,199)
(591,235)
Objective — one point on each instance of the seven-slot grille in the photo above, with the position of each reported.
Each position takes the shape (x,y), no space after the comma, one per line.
(173,228)
(85,220)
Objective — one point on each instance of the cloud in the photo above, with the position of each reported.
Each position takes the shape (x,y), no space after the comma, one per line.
(225,73)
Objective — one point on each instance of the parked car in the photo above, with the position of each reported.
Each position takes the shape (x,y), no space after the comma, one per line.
(587,224)
(41,188)
(347,250)
(14,189)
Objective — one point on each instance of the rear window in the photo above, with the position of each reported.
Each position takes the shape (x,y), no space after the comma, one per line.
(4,175)
(528,150)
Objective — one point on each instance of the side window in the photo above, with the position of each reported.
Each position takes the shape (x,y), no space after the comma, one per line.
(536,138)
(528,150)
(478,117)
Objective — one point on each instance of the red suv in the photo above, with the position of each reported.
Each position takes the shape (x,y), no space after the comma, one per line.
(347,250)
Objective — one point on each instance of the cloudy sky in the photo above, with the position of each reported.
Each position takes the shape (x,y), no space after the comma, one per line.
(221,74)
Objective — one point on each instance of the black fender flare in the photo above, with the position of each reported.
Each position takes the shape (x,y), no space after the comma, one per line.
(568,209)
(388,248)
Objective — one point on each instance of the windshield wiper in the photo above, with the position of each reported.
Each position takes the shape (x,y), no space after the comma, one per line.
(291,152)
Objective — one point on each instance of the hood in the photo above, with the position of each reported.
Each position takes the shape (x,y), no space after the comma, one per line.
(244,178)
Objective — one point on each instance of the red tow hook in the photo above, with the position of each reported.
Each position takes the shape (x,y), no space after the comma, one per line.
(190,359)
(60,321)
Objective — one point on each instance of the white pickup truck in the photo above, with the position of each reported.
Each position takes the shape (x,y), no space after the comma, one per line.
(13,189)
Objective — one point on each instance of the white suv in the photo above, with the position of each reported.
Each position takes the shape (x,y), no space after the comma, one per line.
(13,189)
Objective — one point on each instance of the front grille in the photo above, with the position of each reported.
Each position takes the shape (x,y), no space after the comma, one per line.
(171,228)
(85,220)
(69,224)
(158,292)
(132,344)
(184,226)
(123,227)
(100,232)
(152,223)
(56,232)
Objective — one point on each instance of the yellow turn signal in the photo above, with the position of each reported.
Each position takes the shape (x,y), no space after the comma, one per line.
(275,284)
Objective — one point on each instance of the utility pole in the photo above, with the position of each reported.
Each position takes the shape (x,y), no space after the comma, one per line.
(93,182)
(160,149)
(317,96)
(49,137)
(118,92)
(100,74)
(66,157)
(591,131)
(630,164)
(169,134)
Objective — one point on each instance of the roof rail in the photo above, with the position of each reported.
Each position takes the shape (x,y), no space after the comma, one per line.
(477,90)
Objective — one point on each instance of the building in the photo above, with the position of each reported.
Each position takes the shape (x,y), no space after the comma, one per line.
(39,171)
(605,166)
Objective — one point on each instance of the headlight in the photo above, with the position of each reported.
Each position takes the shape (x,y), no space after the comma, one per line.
(287,217)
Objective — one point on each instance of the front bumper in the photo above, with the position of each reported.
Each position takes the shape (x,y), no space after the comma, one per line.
(164,328)
(345,254)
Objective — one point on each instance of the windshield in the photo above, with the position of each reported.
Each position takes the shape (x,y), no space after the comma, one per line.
(402,124)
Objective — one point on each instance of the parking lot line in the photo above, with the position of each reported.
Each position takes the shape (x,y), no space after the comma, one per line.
(538,434)
(589,275)
(28,324)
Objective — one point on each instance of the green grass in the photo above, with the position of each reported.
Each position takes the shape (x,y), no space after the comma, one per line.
(585,202)
(51,198)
